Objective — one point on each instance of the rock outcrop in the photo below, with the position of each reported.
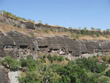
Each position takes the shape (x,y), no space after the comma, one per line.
(64,45)
(4,75)
(28,24)
(16,44)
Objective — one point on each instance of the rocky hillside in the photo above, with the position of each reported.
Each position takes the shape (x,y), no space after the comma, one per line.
(19,38)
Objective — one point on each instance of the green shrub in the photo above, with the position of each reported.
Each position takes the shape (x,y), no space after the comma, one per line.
(30,57)
(46,31)
(60,58)
(67,59)
(32,34)
(50,58)
(10,63)
(108,73)
(55,57)
(23,62)
(51,29)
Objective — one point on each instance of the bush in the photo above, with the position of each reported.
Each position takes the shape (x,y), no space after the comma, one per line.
(60,58)
(108,73)
(55,57)
(30,57)
(67,59)
(90,64)
(11,63)
(50,58)
(23,62)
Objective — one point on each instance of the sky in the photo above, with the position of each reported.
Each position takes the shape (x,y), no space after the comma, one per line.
(65,13)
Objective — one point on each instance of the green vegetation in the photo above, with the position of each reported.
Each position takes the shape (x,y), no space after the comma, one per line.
(40,71)
(32,34)
(14,16)
(108,73)
(11,63)
(73,33)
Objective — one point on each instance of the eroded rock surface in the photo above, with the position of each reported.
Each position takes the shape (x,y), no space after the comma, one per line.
(16,44)
(4,75)
(62,44)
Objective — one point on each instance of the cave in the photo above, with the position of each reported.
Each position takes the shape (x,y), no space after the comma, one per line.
(43,46)
(33,49)
(76,55)
(23,46)
(70,52)
(7,46)
(84,52)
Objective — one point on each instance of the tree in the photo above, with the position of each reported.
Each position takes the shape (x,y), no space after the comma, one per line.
(85,28)
(70,28)
(0,12)
(92,28)
(40,21)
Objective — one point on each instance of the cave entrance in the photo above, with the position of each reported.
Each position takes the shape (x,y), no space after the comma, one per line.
(43,46)
(76,55)
(70,52)
(53,50)
(23,46)
(8,47)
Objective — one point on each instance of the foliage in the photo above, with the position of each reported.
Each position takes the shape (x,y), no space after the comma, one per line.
(32,34)
(11,15)
(70,28)
(46,31)
(80,71)
(11,63)
(90,64)
(55,57)
(108,73)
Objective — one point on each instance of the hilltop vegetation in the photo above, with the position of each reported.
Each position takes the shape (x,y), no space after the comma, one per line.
(77,34)
(57,69)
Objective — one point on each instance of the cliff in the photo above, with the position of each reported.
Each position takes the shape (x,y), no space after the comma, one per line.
(70,46)
(17,44)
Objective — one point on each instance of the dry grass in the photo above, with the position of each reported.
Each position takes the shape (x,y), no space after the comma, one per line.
(93,38)
(47,33)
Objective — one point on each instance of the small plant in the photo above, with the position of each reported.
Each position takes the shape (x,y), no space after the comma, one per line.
(14,24)
(77,36)
(52,30)
(32,34)
(46,23)
(46,31)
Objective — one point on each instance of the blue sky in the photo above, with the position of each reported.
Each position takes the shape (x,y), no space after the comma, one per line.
(67,13)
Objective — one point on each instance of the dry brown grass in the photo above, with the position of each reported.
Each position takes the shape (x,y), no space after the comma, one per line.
(93,38)
(42,33)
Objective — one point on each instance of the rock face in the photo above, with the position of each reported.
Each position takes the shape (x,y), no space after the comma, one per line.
(16,44)
(4,75)
(64,45)
(27,24)
(59,44)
